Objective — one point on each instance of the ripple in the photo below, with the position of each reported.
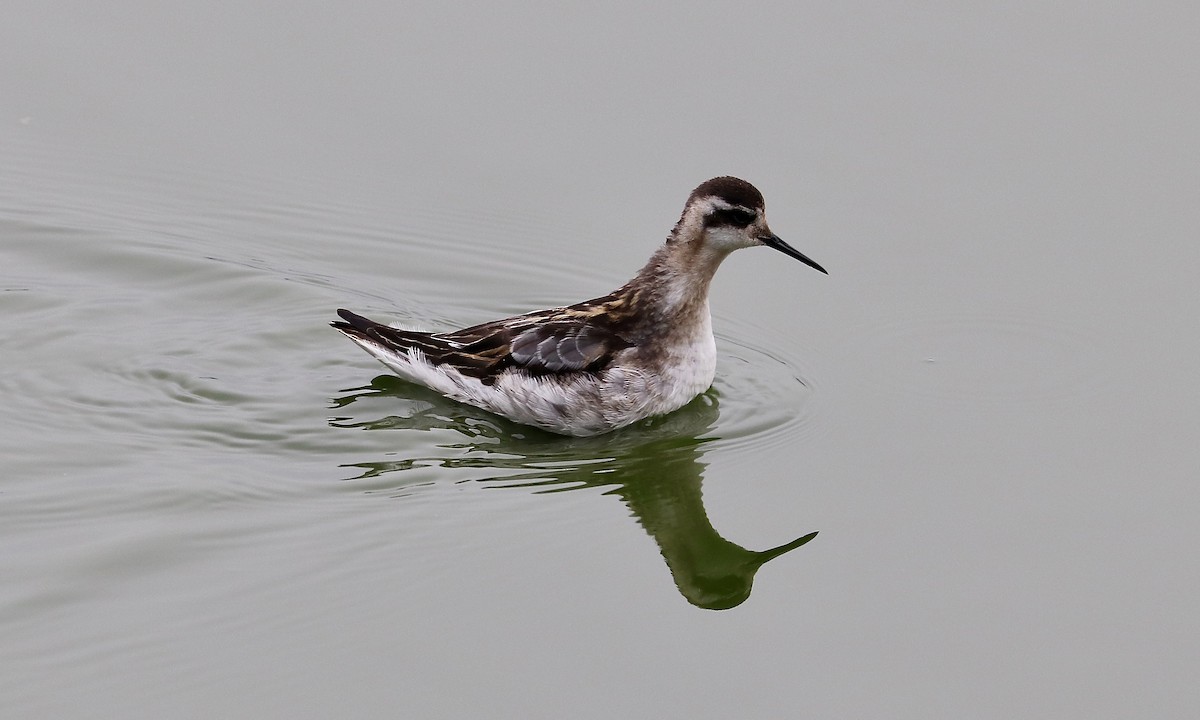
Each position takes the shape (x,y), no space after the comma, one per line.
(766,400)
(169,333)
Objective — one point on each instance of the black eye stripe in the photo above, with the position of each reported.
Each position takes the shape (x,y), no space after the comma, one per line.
(737,217)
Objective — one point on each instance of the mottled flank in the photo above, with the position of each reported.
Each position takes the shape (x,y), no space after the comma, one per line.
(645,349)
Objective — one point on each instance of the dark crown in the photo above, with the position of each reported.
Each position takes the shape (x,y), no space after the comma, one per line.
(730,189)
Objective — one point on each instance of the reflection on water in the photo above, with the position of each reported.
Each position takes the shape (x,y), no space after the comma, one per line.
(654,466)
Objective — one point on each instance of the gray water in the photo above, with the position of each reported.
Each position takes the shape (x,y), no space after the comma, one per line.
(212,505)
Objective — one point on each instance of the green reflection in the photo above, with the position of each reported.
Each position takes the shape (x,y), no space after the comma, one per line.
(655,467)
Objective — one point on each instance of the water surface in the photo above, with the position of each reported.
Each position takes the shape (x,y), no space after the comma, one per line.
(211,504)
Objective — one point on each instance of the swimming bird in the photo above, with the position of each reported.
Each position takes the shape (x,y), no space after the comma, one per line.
(644,349)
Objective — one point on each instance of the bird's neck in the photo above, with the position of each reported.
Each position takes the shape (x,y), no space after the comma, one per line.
(673,285)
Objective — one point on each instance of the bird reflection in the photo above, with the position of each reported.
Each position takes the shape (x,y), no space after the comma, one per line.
(655,467)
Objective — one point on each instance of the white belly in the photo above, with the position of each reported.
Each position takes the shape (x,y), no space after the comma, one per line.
(630,389)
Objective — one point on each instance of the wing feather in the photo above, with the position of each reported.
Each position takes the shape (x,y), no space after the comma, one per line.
(548,342)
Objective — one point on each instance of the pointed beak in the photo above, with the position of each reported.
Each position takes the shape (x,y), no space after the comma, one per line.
(773,553)
(774,241)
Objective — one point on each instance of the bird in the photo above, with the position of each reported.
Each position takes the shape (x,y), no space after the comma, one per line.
(645,349)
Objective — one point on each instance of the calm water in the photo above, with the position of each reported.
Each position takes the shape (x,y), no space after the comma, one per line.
(212,505)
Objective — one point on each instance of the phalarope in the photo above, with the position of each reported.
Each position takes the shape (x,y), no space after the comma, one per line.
(644,349)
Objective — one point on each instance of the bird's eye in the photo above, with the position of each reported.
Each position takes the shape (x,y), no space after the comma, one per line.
(738,217)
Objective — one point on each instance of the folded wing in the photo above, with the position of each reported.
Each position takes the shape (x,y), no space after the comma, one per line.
(549,342)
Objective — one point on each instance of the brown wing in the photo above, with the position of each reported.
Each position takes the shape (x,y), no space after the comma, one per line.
(548,342)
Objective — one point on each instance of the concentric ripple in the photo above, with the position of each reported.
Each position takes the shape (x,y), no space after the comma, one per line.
(767,399)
